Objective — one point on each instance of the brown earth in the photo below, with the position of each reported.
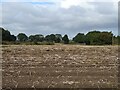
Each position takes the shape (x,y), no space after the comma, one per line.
(59,66)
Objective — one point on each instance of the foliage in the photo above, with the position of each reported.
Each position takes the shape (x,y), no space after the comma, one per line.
(65,39)
(72,42)
(53,38)
(79,38)
(106,38)
(91,38)
(6,35)
(98,38)
(36,38)
(117,39)
(22,37)
(58,38)
(13,38)
(50,38)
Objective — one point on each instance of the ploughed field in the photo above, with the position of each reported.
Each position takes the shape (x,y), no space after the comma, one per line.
(59,66)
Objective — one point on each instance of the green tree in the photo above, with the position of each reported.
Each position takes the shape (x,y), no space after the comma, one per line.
(58,38)
(115,40)
(47,38)
(53,38)
(65,39)
(98,38)
(79,38)
(6,35)
(39,37)
(36,38)
(106,38)
(22,37)
(92,38)
(118,39)
(31,38)
(13,38)
(50,38)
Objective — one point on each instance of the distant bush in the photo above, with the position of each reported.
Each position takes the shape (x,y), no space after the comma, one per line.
(44,43)
(10,43)
(27,43)
(72,42)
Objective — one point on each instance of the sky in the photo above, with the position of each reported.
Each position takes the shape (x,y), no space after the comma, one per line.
(59,16)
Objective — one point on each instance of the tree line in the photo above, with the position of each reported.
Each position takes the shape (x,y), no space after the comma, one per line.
(91,38)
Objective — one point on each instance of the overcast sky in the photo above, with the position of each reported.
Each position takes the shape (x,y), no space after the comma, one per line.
(59,16)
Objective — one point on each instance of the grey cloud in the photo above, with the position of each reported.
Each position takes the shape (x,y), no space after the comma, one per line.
(104,7)
(31,18)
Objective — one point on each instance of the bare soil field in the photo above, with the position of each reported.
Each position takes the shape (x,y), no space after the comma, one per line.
(59,66)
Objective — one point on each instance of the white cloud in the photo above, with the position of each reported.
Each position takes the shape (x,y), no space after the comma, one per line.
(30,0)
(69,3)
(83,3)
(69,18)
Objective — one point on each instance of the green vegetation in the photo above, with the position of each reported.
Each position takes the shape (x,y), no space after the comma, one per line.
(36,38)
(6,35)
(99,38)
(65,39)
(79,38)
(22,37)
(91,38)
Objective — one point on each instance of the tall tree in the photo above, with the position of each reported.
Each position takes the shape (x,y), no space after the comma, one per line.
(65,39)
(6,35)
(58,38)
(22,37)
(92,37)
(50,38)
(118,39)
(99,38)
(31,38)
(13,38)
(79,38)
(106,38)
(36,38)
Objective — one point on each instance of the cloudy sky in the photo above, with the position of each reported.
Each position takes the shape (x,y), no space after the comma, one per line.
(59,16)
